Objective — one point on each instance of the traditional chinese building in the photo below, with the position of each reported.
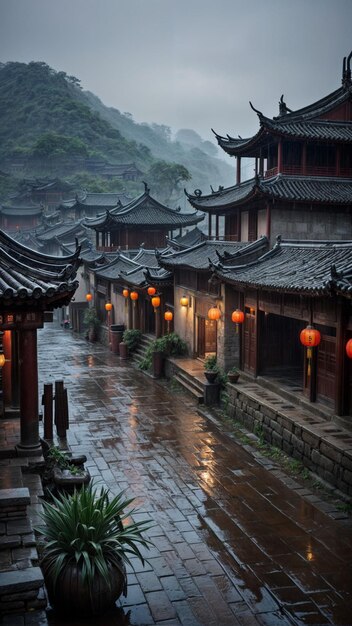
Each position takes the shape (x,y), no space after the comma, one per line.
(20,212)
(31,284)
(88,204)
(303,171)
(143,220)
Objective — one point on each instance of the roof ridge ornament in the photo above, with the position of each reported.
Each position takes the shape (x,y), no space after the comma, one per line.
(146,188)
(346,71)
(283,108)
(259,113)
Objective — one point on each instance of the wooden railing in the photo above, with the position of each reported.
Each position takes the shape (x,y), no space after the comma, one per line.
(309,170)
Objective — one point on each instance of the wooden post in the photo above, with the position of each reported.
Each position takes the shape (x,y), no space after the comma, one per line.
(279,157)
(238,171)
(48,411)
(209,225)
(29,443)
(340,370)
(61,417)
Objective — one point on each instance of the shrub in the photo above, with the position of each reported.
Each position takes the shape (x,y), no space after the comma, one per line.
(132,338)
(169,345)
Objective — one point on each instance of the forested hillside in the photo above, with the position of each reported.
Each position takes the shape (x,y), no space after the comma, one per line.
(50,126)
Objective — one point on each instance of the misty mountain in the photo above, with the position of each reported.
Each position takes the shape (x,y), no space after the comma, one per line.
(47,121)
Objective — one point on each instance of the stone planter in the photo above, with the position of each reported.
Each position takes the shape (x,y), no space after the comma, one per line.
(64,480)
(116,334)
(123,350)
(232,377)
(211,376)
(158,360)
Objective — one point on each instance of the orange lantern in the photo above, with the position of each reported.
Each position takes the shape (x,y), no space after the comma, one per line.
(89,297)
(310,338)
(125,293)
(168,316)
(151,291)
(108,307)
(156,302)
(214,313)
(349,348)
(2,359)
(134,295)
(184,301)
(237,317)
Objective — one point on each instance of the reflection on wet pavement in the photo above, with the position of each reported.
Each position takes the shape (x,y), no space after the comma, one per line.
(233,544)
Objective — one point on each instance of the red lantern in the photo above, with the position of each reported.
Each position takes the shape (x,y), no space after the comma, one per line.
(214,313)
(108,307)
(125,293)
(134,295)
(156,302)
(151,291)
(349,348)
(89,297)
(310,337)
(168,315)
(237,316)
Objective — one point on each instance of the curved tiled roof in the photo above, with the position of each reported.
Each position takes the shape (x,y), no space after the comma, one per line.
(288,188)
(305,123)
(143,211)
(201,256)
(311,267)
(33,280)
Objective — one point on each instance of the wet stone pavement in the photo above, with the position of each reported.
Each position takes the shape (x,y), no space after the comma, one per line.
(233,545)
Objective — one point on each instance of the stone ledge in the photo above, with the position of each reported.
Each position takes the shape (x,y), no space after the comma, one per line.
(20,580)
(14,497)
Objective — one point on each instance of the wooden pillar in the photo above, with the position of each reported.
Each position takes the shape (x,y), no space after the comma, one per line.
(209,225)
(257,337)
(268,221)
(7,368)
(217,227)
(304,159)
(135,320)
(238,170)
(340,370)
(279,157)
(157,322)
(29,443)
(97,239)
(338,160)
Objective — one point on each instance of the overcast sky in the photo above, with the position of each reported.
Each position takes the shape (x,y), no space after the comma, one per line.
(187,63)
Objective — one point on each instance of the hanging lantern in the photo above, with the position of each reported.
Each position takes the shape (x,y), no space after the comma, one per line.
(156,302)
(151,291)
(214,313)
(2,359)
(89,297)
(310,338)
(134,295)
(125,293)
(349,348)
(237,317)
(184,301)
(168,316)
(108,307)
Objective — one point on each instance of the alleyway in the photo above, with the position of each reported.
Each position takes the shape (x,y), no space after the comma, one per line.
(233,544)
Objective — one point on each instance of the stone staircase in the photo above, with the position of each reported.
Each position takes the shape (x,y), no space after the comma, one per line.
(192,383)
(21,580)
(139,353)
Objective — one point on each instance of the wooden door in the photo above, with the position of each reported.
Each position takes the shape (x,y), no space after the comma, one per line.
(249,341)
(210,336)
(326,366)
(201,337)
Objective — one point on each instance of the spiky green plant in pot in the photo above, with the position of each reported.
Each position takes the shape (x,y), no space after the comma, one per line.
(86,540)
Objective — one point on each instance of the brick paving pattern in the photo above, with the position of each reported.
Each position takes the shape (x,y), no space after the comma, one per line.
(233,544)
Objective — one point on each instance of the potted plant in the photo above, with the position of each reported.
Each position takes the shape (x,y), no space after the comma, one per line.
(62,471)
(233,375)
(86,540)
(211,368)
(92,323)
(168,345)
(130,341)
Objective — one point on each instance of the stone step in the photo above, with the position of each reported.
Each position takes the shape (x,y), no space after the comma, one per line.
(13,503)
(20,580)
(21,591)
(190,386)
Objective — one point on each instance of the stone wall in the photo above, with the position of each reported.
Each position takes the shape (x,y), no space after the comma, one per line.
(310,224)
(295,435)
(228,346)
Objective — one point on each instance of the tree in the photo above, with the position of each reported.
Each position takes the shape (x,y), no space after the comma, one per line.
(166,178)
